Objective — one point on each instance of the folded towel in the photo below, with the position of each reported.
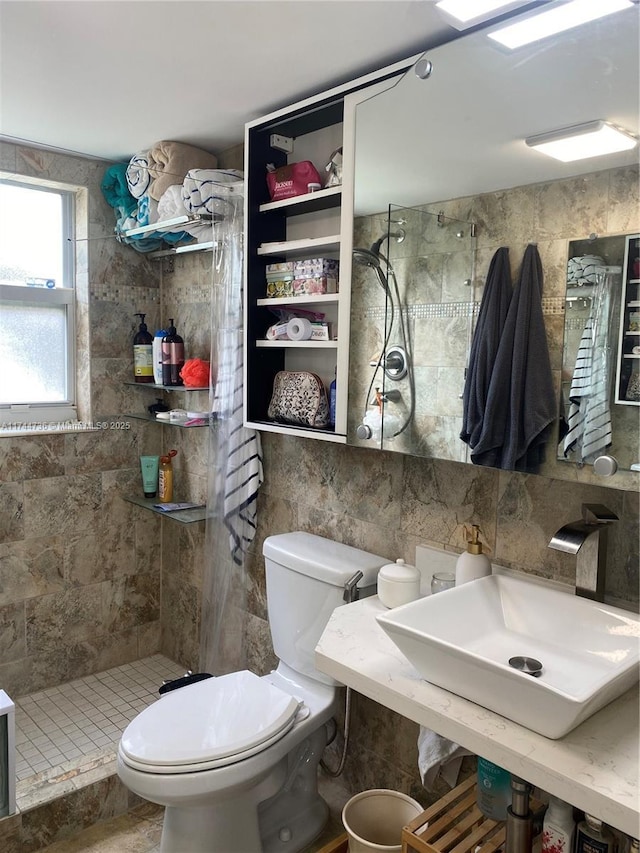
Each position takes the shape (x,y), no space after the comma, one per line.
(170,161)
(437,755)
(213,191)
(115,189)
(171,204)
(138,177)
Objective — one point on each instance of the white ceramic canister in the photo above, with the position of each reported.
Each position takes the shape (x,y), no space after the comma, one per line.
(398,583)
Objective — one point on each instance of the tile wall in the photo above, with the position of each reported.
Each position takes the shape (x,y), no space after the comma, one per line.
(85,583)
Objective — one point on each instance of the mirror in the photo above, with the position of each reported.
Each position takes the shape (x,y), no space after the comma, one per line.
(444,160)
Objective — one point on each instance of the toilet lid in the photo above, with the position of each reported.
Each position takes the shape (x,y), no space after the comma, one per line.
(209,724)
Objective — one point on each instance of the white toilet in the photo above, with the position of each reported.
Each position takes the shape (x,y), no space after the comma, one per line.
(234,759)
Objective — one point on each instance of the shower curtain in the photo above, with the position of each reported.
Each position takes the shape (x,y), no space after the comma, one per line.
(235,466)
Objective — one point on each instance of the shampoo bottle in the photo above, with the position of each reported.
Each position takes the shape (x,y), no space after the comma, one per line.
(157,355)
(472,563)
(142,353)
(493,790)
(558,827)
(593,837)
(172,356)
(165,479)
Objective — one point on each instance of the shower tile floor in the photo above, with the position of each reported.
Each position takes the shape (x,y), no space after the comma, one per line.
(84,719)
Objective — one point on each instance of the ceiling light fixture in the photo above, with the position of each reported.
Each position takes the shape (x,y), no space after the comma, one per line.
(466,13)
(555,20)
(581,141)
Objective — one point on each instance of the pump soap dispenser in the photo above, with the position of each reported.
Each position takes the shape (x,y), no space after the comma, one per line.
(472,563)
(172,356)
(142,357)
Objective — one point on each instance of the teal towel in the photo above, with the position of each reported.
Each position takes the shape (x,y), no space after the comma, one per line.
(116,190)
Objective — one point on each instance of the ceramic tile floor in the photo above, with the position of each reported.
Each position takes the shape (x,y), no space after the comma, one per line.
(84,718)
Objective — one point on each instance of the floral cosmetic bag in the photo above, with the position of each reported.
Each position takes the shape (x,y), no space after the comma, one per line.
(299,397)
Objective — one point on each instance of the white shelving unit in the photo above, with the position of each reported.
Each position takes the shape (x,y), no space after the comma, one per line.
(317,224)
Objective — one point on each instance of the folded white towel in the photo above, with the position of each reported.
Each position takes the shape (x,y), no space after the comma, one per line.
(138,177)
(438,755)
(213,191)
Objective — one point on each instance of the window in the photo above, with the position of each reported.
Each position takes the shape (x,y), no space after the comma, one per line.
(37,297)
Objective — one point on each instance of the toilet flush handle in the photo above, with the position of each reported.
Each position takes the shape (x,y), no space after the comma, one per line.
(351,591)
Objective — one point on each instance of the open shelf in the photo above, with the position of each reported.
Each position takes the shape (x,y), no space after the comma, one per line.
(302,432)
(184,516)
(293,301)
(307,203)
(304,246)
(297,344)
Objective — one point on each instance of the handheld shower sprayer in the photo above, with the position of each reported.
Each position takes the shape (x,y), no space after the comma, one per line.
(388,359)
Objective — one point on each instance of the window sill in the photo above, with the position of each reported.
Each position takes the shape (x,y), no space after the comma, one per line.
(15,430)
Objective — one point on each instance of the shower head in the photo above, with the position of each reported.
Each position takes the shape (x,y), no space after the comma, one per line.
(366,258)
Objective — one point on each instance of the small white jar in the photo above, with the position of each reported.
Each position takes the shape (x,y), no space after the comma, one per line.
(398,583)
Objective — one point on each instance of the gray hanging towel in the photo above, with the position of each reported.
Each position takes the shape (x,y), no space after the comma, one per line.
(521,406)
(484,346)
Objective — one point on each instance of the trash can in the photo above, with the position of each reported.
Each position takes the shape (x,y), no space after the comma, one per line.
(374,820)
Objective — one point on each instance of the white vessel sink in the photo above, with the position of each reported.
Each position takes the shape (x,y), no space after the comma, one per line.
(463,639)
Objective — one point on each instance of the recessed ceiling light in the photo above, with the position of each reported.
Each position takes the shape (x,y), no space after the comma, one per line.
(581,141)
(557,19)
(465,13)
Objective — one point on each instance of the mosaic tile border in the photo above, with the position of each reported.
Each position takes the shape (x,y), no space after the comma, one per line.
(551,305)
(124,294)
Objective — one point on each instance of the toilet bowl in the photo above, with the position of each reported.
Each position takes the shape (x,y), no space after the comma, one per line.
(234,758)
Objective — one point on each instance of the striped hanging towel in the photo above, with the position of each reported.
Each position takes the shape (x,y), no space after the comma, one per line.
(589,420)
(243,471)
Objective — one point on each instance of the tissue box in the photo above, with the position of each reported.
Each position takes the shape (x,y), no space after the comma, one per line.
(314,285)
(285,266)
(279,284)
(312,267)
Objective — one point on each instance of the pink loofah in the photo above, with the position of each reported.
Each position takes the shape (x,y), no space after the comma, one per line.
(195,373)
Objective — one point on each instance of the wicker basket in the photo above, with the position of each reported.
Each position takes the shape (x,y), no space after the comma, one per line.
(454,824)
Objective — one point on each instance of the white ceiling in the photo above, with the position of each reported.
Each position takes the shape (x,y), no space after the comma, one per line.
(111,77)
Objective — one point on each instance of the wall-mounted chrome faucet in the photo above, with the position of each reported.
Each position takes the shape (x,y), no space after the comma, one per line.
(587,538)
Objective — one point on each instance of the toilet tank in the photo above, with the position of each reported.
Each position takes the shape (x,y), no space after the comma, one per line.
(306,575)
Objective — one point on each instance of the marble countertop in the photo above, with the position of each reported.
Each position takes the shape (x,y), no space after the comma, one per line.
(595,767)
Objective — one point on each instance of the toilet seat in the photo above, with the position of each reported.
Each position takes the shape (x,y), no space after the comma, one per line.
(209,724)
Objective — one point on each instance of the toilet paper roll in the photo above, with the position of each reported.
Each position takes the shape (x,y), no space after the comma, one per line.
(299,329)
(277,332)
(636,350)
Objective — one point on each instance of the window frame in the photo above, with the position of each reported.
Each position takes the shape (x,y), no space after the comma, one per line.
(44,414)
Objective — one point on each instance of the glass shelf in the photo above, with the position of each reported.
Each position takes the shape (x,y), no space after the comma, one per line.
(167,387)
(163,422)
(184,516)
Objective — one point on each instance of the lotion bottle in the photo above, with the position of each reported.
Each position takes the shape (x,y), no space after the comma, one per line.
(472,563)
(165,479)
(558,827)
(493,794)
